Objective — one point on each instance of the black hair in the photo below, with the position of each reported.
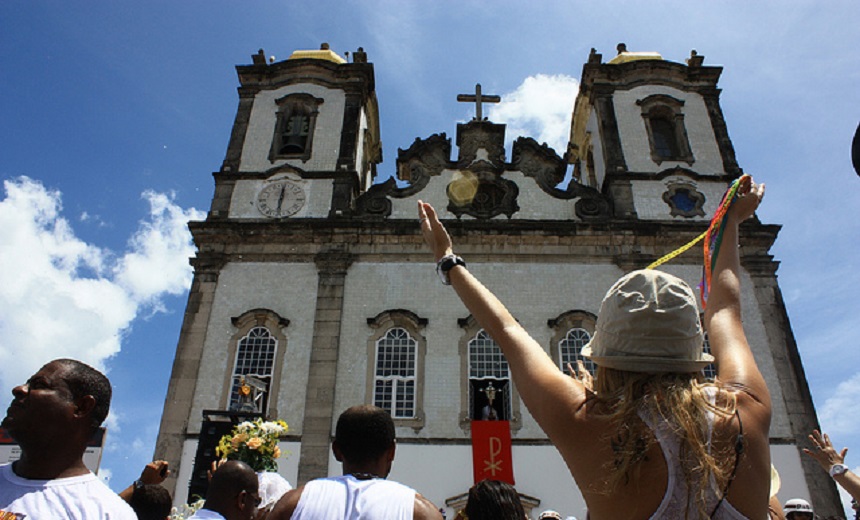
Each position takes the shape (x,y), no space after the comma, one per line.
(494,500)
(84,380)
(364,433)
(151,502)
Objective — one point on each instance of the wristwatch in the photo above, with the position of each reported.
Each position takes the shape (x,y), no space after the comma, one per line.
(445,264)
(837,469)
(138,484)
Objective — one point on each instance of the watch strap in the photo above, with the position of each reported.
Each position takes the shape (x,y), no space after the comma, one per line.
(445,264)
(837,469)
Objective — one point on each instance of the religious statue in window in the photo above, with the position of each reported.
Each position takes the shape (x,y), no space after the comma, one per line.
(250,395)
(489,380)
(252,372)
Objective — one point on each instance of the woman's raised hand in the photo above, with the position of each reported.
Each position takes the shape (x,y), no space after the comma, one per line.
(435,235)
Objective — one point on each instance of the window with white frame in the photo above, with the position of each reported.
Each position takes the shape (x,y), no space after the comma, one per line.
(570,349)
(710,371)
(489,380)
(255,358)
(395,365)
(573,330)
(394,382)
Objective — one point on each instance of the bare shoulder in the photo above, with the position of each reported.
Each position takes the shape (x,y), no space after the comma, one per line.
(283,510)
(425,510)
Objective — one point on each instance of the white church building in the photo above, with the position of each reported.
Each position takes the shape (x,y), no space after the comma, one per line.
(312,281)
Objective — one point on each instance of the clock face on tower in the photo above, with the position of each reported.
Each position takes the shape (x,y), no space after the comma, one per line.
(281,199)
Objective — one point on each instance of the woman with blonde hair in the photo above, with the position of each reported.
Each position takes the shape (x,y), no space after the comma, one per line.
(651,439)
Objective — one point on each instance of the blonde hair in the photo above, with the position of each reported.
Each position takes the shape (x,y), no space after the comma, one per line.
(679,400)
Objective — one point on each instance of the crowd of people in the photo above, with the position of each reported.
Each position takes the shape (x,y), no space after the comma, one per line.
(647,437)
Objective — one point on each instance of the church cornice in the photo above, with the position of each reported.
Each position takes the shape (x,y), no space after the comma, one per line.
(599,77)
(630,245)
(351,77)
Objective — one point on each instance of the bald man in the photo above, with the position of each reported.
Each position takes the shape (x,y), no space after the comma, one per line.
(233,493)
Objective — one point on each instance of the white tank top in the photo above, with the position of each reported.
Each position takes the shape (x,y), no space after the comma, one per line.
(678,500)
(347,498)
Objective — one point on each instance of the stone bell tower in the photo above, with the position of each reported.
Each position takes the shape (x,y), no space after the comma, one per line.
(304,145)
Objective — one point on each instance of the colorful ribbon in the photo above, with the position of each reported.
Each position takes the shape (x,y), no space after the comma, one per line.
(713,240)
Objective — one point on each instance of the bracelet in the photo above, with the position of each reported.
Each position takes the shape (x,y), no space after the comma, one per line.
(445,264)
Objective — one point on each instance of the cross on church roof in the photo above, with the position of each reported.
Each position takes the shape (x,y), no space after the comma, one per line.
(478,98)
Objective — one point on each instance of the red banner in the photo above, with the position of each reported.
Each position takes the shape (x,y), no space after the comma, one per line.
(491,451)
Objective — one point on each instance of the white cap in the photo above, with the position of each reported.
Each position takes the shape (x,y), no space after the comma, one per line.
(797,505)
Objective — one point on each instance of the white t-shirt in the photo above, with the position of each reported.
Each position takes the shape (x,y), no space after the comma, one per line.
(75,498)
(347,498)
(206,514)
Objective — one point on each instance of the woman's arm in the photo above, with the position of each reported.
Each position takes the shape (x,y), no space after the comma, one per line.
(546,391)
(736,365)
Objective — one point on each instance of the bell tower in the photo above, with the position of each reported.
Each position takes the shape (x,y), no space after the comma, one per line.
(305,142)
(266,297)
(650,134)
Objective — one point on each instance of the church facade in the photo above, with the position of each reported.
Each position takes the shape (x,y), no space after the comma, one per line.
(312,284)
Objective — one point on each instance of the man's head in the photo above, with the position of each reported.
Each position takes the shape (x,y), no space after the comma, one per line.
(798,509)
(233,491)
(151,502)
(364,436)
(69,394)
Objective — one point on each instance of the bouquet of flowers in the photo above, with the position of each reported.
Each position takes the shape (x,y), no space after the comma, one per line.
(185,511)
(254,443)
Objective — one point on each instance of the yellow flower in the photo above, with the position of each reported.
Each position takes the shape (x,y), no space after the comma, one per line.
(238,439)
(277,452)
(255,442)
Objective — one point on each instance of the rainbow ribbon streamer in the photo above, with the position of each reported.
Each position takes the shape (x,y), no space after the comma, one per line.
(713,240)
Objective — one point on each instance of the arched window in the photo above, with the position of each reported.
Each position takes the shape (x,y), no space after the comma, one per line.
(664,122)
(255,358)
(394,382)
(257,354)
(570,349)
(395,366)
(484,372)
(573,330)
(294,127)
(489,380)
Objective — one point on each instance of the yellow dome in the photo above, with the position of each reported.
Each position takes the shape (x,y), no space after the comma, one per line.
(324,53)
(626,57)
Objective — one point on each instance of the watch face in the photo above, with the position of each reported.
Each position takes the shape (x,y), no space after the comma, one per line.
(281,199)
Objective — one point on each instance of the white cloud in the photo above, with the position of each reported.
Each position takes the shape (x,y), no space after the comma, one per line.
(540,108)
(62,297)
(840,415)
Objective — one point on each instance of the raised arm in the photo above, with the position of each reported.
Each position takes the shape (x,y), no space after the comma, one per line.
(546,391)
(833,462)
(736,365)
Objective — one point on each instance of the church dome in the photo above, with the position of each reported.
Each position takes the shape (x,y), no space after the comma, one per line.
(324,53)
(624,56)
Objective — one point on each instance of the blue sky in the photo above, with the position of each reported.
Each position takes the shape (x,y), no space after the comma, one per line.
(114,114)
